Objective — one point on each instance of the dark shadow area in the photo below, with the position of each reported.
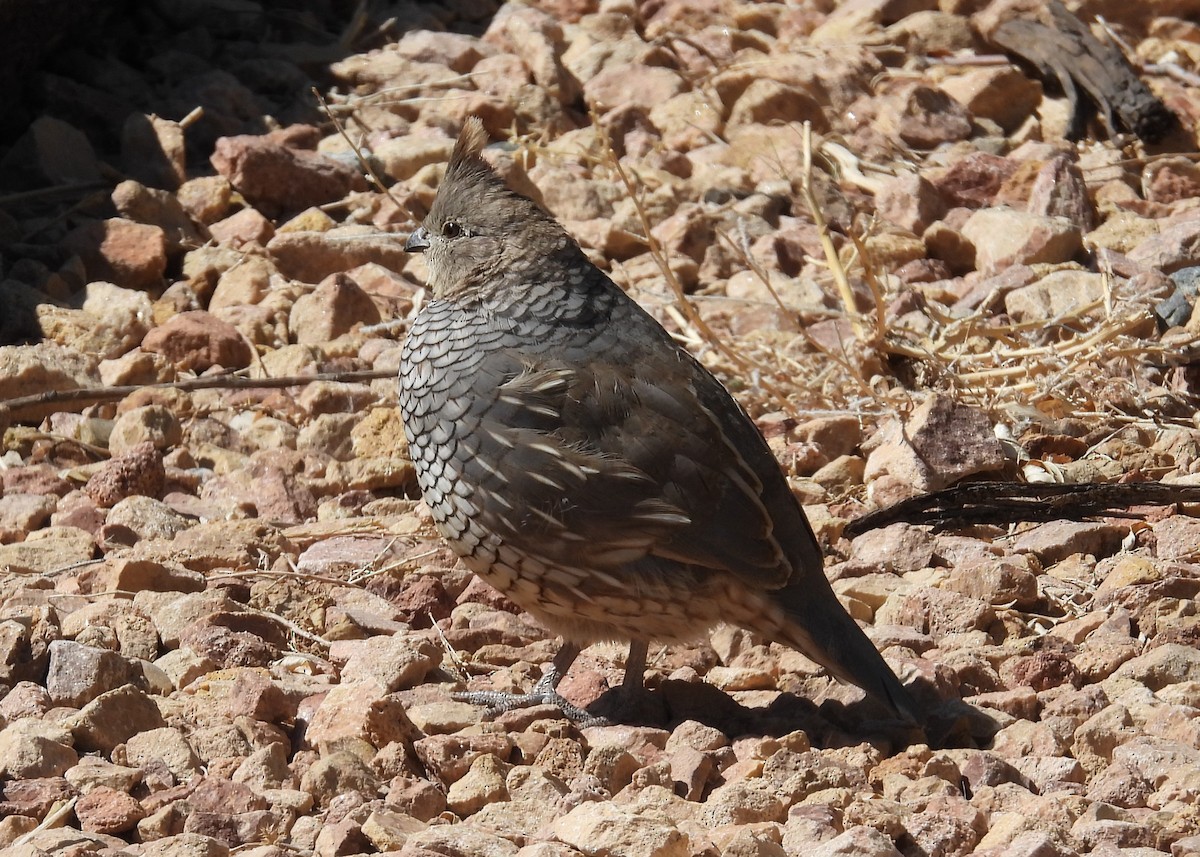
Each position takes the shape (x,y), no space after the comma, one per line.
(951,724)
(103,92)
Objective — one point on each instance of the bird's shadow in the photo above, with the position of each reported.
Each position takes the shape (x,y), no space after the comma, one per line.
(952,723)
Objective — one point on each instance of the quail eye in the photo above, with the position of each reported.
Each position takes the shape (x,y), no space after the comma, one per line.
(451,229)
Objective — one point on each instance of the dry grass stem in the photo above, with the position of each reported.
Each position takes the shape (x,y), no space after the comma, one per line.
(845,293)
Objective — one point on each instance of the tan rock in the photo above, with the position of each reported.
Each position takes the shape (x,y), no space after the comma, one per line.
(29,369)
(247,226)
(333,308)
(482,784)
(29,749)
(337,773)
(389,830)
(113,718)
(1000,93)
(310,256)
(105,810)
(1055,295)
(206,199)
(1004,237)
(153,150)
(360,711)
(605,828)
(765,101)
(857,842)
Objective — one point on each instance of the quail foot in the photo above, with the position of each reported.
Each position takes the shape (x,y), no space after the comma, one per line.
(582,463)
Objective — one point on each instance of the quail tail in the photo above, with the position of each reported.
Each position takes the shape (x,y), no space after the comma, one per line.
(825,632)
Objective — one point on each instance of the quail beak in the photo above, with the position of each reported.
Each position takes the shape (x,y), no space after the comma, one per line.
(418,241)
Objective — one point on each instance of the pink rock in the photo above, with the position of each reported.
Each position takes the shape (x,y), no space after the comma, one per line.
(420,596)
(982,768)
(276,175)
(925,117)
(457,51)
(632,84)
(1041,670)
(197,340)
(998,581)
(234,639)
(690,769)
(1060,191)
(256,695)
(1004,237)
(935,611)
(213,794)
(334,307)
(241,828)
(947,825)
(536,37)
(311,256)
(138,471)
(942,442)
(114,717)
(1000,93)
(26,699)
(34,479)
(362,711)
(899,547)
(131,255)
(909,200)
(973,181)
(857,841)
(245,227)
(1120,786)
(1186,846)
(105,810)
(23,513)
(1098,835)
(270,490)
(1057,540)
(449,757)
(1170,180)
(419,798)
(1021,702)
(397,662)
(33,797)
(1176,537)
(1177,246)
(78,674)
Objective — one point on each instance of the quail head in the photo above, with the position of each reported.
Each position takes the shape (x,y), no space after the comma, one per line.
(585,465)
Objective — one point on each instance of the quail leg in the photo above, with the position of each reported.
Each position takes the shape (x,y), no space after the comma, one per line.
(545,692)
(635,668)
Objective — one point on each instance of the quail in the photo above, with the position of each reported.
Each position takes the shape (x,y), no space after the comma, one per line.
(584,464)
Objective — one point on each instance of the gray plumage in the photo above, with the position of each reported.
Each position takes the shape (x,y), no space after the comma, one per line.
(584,464)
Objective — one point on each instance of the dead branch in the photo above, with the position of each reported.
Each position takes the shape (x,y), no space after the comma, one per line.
(10,409)
(1006,503)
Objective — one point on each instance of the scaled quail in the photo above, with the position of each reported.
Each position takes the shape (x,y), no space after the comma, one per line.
(585,465)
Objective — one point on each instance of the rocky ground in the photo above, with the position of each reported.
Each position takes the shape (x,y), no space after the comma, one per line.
(226,624)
